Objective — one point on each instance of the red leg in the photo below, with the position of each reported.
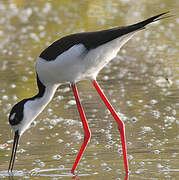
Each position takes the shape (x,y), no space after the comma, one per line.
(120,123)
(87,133)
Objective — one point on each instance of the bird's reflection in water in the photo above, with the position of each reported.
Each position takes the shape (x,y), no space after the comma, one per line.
(77,178)
(11,175)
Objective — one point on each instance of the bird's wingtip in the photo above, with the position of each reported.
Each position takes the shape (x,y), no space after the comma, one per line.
(158,17)
(151,20)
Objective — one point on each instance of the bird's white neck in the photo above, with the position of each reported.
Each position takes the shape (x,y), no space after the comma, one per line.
(35,105)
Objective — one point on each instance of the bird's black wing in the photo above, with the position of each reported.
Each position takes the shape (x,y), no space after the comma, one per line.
(92,40)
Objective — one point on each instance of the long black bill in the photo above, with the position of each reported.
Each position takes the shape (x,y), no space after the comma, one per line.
(13,155)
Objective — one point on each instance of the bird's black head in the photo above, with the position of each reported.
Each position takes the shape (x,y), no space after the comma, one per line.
(16,114)
(15,118)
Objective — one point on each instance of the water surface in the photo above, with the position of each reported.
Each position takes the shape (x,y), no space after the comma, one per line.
(142,83)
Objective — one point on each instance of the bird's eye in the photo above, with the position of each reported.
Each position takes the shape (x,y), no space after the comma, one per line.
(11,118)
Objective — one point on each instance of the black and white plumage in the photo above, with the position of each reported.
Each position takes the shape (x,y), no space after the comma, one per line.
(72,58)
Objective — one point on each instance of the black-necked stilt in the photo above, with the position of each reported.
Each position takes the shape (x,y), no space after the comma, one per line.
(73,58)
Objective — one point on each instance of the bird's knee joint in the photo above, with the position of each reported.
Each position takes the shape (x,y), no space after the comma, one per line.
(87,134)
(121,126)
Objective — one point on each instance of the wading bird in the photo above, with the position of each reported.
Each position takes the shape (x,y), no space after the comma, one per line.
(70,59)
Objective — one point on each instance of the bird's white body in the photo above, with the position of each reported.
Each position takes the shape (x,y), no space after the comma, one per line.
(78,63)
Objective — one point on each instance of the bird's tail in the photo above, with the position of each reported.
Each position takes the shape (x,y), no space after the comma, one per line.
(119,31)
(142,24)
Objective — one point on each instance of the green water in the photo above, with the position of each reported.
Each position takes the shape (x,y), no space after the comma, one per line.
(135,83)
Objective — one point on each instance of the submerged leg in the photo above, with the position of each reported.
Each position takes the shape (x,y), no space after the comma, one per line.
(120,123)
(87,133)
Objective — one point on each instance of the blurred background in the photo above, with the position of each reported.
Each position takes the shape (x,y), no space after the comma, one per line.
(142,83)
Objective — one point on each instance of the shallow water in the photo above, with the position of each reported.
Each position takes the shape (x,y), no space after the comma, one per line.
(142,84)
